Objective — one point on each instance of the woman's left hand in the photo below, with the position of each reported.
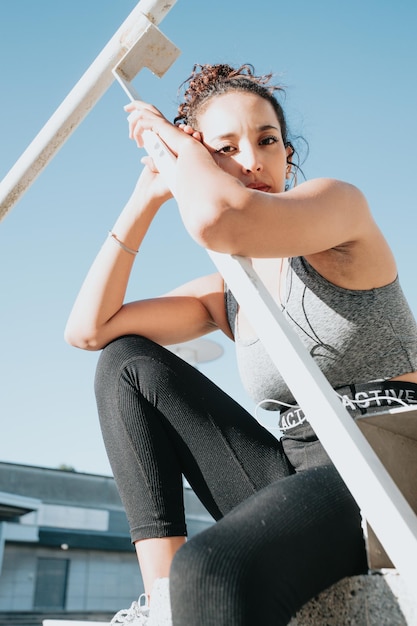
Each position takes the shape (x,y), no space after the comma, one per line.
(145,116)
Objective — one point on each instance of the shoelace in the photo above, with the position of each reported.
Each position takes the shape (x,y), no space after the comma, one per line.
(137,609)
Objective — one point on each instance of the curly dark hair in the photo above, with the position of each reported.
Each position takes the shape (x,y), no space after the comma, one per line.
(207,81)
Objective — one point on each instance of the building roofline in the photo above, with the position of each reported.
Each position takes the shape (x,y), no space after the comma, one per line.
(53,469)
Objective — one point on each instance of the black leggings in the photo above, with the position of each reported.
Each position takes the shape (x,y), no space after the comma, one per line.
(282,535)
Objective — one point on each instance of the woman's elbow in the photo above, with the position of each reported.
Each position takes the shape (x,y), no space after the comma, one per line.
(81,340)
(213,231)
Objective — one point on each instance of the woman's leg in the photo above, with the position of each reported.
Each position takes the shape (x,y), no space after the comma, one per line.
(161,418)
(272,553)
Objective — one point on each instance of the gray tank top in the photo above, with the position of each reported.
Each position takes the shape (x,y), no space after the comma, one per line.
(354,336)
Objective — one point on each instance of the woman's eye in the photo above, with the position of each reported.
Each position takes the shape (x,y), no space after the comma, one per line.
(225,150)
(269,140)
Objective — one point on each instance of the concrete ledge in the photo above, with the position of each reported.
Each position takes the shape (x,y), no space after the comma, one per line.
(379,599)
(57,622)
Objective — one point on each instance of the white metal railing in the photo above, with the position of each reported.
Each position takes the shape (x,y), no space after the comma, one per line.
(81,99)
(381,502)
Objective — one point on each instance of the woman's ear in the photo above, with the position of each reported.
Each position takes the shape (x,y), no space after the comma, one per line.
(289,148)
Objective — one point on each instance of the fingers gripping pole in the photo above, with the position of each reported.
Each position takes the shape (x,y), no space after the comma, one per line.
(79,102)
(152,49)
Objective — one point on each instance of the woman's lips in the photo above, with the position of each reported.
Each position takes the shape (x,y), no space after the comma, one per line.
(259,187)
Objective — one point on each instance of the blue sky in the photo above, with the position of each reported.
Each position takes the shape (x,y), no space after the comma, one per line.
(349,68)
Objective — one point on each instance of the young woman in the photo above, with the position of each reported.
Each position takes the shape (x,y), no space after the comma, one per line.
(286,526)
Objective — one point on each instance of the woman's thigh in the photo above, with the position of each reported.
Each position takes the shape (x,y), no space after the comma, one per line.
(169,411)
(272,553)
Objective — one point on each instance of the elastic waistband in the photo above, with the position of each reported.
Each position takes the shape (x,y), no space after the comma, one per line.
(360,400)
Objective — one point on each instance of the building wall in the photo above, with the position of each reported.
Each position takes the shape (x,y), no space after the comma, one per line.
(65,544)
(96,581)
(17,579)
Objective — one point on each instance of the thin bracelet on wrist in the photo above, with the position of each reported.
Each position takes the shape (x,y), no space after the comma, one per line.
(121,244)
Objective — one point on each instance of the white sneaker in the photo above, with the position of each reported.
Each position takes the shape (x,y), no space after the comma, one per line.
(137,615)
(160,611)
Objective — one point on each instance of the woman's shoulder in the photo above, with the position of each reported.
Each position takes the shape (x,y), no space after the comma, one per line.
(326,185)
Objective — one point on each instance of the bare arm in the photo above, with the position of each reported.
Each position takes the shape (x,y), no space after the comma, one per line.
(99,313)
(326,220)
(315,216)
(192,310)
(223,214)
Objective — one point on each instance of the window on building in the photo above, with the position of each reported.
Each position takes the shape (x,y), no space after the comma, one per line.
(51,583)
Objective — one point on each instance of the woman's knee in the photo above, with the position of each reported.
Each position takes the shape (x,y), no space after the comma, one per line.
(117,354)
(209,582)
(122,349)
(209,556)
(191,563)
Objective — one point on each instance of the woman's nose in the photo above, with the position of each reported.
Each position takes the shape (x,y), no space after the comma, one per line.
(250,161)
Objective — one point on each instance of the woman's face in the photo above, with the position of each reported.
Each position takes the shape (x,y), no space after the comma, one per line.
(242,132)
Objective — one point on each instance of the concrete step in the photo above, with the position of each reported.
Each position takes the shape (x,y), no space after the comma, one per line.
(378,599)
(38,618)
(57,622)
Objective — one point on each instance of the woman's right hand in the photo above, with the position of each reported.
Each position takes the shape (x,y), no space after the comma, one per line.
(99,313)
(151,186)
(95,317)
(150,177)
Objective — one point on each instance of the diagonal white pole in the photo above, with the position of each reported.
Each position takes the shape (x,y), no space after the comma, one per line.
(81,99)
(383,505)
